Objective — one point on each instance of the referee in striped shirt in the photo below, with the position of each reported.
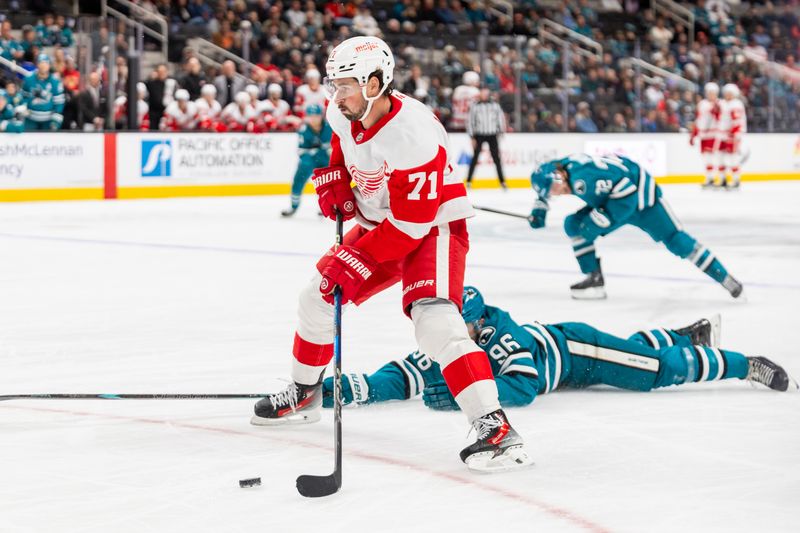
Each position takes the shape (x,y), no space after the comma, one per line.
(486,122)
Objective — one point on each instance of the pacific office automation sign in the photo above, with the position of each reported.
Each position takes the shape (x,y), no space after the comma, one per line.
(50,160)
(204,159)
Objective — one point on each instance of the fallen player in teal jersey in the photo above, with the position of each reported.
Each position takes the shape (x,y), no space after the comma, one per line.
(532,359)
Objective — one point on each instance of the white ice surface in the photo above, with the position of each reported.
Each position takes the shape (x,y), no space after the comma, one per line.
(199,295)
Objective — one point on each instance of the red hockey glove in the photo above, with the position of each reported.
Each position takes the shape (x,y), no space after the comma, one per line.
(347,267)
(334,192)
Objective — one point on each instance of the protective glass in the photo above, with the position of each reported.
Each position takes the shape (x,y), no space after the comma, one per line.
(337,90)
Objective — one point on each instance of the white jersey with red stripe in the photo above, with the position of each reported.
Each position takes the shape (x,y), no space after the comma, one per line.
(305,97)
(235,116)
(177,119)
(207,110)
(463,97)
(405,184)
(280,109)
(707,120)
(732,120)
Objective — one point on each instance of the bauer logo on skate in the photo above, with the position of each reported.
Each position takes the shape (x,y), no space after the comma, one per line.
(418,284)
(353,262)
(370,182)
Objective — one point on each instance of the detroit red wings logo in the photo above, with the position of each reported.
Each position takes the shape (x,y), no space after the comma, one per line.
(369,183)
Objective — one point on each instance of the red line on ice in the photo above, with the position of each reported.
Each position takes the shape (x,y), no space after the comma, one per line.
(553,510)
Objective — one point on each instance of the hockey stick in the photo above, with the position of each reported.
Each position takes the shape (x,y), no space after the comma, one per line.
(164,396)
(500,212)
(312,486)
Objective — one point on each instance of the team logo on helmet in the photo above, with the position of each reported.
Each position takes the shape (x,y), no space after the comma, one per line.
(486,335)
(579,187)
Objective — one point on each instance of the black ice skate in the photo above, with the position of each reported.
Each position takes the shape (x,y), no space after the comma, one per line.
(591,288)
(289,212)
(498,447)
(731,185)
(733,286)
(704,332)
(298,404)
(762,370)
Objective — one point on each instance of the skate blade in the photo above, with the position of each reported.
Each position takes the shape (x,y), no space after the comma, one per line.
(592,293)
(513,458)
(716,329)
(302,417)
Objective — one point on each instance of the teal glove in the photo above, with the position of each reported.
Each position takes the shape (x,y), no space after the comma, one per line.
(437,396)
(355,387)
(538,214)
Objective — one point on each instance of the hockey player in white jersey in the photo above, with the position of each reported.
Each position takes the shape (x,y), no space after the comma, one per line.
(705,129)
(463,97)
(732,127)
(310,93)
(142,109)
(410,211)
(181,114)
(239,115)
(208,109)
(282,118)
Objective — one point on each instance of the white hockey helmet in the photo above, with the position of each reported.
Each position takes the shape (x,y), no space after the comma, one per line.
(711,88)
(208,90)
(730,89)
(313,74)
(182,95)
(242,98)
(252,90)
(141,89)
(274,88)
(359,57)
(472,78)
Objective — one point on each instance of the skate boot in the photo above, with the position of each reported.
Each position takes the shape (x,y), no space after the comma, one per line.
(289,212)
(591,288)
(704,332)
(708,184)
(733,286)
(298,404)
(762,370)
(732,185)
(498,447)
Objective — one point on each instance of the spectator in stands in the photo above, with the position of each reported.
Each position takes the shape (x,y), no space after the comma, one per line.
(91,105)
(228,84)
(416,82)
(194,78)
(46,30)
(364,23)
(618,124)
(659,34)
(160,88)
(10,48)
(583,119)
(71,78)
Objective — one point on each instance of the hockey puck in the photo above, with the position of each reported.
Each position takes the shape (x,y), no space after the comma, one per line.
(253,482)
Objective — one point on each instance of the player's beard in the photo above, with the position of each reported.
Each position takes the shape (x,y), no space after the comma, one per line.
(353,116)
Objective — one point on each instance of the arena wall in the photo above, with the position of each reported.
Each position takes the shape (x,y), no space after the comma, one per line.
(62,166)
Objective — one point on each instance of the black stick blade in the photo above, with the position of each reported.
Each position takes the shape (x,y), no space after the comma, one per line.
(319,486)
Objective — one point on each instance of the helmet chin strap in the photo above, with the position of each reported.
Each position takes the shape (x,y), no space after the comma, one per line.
(370,100)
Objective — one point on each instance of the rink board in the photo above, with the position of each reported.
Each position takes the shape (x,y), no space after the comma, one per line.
(64,166)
